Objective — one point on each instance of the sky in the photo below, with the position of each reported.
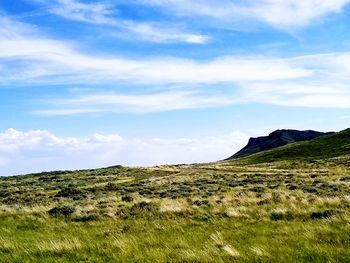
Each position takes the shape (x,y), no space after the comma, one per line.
(87,83)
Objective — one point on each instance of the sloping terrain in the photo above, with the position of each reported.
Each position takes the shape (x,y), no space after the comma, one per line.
(289,204)
(329,146)
(276,139)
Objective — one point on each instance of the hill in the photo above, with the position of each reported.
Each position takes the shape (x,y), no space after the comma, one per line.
(276,139)
(325,147)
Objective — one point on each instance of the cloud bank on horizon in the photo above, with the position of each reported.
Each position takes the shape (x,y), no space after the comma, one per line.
(64,63)
(40,148)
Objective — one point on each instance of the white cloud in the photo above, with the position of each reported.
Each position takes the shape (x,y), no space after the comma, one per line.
(140,103)
(291,13)
(35,58)
(26,57)
(104,14)
(96,13)
(35,151)
(161,33)
(283,14)
(280,93)
(312,95)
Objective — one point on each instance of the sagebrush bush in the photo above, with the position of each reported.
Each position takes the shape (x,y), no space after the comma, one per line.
(281,215)
(61,211)
(71,192)
(324,214)
(127,198)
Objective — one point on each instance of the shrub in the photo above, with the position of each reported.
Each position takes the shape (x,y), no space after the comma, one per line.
(61,211)
(324,214)
(201,203)
(163,194)
(127,198)
(145,192)
(263,202)
(281,215)
(86,218)
(293,187)
(71,192)
(258,189)
(144,206)
(110,186)
(202,217)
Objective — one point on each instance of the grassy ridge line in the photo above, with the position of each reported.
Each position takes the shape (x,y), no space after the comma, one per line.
(325,147)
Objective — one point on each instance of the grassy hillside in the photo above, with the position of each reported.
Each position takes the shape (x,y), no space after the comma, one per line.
(328,146)
(293,210)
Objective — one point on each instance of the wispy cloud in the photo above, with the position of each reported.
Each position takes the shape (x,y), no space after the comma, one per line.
(331,95)
(162,33)
(39,150)
(105,14)
(284,14)
(139,103)
(37,57)
(95,13)
(274,93)
(27,57)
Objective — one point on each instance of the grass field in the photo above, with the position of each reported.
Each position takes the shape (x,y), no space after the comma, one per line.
(248,210)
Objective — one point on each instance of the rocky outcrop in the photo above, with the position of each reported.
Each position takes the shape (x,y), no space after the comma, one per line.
(276,139)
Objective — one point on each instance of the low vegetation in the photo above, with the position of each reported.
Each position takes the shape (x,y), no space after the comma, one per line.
(246,210)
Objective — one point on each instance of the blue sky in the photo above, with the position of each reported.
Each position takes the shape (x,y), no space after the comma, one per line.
(86,84)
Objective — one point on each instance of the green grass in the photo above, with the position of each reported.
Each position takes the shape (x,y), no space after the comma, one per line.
(296,209)
(26,239)
(33,238)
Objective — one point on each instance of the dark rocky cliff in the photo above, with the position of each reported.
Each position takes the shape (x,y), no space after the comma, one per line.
(276,139)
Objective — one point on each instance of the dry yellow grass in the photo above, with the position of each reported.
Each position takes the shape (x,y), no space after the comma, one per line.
(173,206)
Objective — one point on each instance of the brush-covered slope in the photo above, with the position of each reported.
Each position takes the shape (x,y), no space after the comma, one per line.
(330,146)
(276,139)
(227,211)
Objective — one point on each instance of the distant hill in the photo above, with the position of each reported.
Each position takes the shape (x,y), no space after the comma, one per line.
(276,139)
(329,146)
